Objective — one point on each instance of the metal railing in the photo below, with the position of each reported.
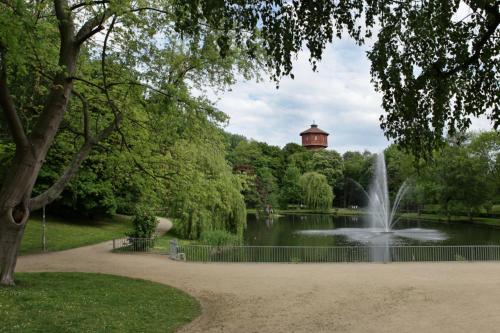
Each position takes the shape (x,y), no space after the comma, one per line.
(131,244)
(312,254)
(206,253)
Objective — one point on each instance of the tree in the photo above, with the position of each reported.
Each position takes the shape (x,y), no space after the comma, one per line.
(290,192)
(400,167)
(61,60)
(328,163)
(204,195)
(316,191)
(357,176)
(464,180)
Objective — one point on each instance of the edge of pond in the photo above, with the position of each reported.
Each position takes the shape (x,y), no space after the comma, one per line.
(494,223)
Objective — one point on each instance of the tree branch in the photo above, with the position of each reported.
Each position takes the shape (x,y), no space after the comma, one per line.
(88,3)
(56,189)
(8,106)
(92,26)
(493,21)
(85,111)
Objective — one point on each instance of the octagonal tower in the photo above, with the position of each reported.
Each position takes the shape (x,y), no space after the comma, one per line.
(314,138)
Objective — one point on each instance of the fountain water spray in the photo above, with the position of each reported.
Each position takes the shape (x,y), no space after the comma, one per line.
(382,216)
(381,213)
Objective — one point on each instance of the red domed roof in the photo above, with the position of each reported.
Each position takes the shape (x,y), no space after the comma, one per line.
(314,130)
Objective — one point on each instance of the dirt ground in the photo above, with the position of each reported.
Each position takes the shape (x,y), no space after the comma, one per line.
(413,297)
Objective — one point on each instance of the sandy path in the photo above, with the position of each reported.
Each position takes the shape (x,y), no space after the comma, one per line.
(414,297)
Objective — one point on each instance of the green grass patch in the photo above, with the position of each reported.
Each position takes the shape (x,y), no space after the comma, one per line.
(83,302)
(63,234)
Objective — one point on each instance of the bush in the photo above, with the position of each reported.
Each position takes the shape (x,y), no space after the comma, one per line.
(219,238)
(144,223)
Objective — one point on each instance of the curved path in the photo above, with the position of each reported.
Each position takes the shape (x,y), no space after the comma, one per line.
(416,297)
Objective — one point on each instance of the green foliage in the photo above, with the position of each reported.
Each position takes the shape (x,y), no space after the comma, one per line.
(144,223)
(219,238)
(329,163)
(204,195)
(317,193)
(81,302)
(291,191)
(400,167)
(462,179)
(358,172)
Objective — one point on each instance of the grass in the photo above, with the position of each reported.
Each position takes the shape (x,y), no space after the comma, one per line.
(66,234)
(83,302)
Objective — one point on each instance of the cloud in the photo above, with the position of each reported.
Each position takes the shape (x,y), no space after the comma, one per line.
(339,98)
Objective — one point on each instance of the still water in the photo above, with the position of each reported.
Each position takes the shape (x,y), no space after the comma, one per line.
(286,231)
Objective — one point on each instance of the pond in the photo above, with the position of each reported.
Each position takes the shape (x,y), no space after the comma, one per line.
(287,230)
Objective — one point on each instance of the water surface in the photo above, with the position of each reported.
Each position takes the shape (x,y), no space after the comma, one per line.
(288,230)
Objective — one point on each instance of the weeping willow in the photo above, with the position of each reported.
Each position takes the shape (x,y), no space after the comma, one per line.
(317,194)
(203,193)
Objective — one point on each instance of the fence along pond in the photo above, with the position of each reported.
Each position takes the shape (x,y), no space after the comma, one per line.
(313,254)
(263,254)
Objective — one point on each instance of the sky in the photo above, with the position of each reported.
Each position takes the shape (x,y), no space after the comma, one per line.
(339,98)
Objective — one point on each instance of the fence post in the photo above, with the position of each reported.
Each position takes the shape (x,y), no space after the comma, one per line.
(114,245)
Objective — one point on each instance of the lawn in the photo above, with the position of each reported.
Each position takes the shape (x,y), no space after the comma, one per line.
(65,234)
(83,302)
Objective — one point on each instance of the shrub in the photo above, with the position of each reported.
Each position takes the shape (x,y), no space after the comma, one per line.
(144,223)
(220,238)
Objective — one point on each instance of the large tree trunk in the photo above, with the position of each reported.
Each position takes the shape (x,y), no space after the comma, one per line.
(11,234)
(14,209)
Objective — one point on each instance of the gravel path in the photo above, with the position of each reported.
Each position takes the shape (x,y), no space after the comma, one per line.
(413,297)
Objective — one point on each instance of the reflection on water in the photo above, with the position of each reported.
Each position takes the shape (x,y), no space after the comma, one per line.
(376,236)
(328,230)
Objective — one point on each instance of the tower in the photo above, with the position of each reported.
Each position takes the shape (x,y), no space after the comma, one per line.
(314,138)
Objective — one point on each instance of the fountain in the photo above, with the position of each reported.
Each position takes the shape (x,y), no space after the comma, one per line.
(381,214)
(382,217)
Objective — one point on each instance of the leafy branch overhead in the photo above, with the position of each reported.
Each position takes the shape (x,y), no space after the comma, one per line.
(435,62)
